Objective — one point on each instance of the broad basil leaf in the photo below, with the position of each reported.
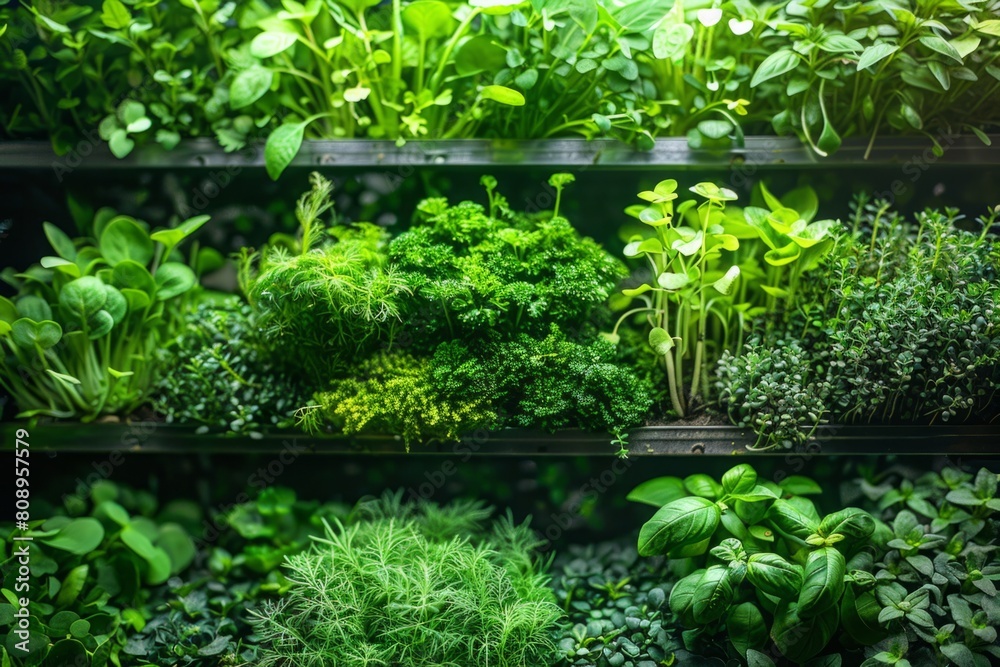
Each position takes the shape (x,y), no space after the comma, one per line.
(823,583)
(682,522)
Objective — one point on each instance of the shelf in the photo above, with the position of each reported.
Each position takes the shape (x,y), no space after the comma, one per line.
(159,438)
(759,151)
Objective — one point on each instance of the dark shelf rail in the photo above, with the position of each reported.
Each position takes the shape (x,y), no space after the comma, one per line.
(758,151)
(159,438)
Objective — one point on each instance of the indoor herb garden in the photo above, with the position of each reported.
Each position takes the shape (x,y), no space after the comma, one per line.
(409,332)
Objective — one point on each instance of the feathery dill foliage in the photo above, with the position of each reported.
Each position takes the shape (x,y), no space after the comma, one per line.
(328,297)
(394,392)
(904,327)
(475,270)
(401,589)
(222,378)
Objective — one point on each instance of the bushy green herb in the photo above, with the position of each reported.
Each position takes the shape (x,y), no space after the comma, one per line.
(773,390)
(549,383)
(475,270)
(546,384)
(81,337)
(394,392)
(616,605)
(769,563)
(902,327)
(384,591)
(326,298)
(936,583)
(222,377)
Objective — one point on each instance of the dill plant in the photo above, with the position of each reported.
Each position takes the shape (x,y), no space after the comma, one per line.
(327,297)
(404,590)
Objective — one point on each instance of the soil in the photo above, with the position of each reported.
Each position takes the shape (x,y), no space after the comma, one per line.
(705,418)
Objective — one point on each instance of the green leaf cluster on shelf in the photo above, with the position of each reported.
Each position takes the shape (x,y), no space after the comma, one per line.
(133,73)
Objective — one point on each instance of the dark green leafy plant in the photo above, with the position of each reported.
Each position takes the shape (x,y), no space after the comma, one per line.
(392,591)
(549,383)
(81,337)
(130,72)
(223,379)
(901,326)
(768,563)
(616,605)
(93,564)
(936,583)
(475,270)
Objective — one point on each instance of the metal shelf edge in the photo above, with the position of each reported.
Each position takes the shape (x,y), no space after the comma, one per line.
(158,438)
(763,151)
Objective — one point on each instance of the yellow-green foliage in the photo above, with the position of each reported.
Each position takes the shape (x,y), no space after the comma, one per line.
(394,393)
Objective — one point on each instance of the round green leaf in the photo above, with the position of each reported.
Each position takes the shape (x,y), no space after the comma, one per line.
(178,545)
(31,306)
(82,298)
(130,275)
(746,628)
(774,575)
(173,279)
(661,341)
(80,628)
(429,19)
(269,44)
(79,536)
(249,86)
(100,324)
(28,333)
(123,239)
(790,521)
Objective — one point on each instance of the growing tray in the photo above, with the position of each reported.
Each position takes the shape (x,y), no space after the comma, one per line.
(758,151)
(158,438)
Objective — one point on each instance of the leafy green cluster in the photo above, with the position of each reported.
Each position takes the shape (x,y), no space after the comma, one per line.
(128,72)
(386,591)
(492,328)
(222,377)
(903,326)
(196,623)
(474,271)
(774,391)
(768,564)
(81,337)
(617,607)
(936,581)
(548,383)
(93,565)
(395,392)
(325,299)
(713,267)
